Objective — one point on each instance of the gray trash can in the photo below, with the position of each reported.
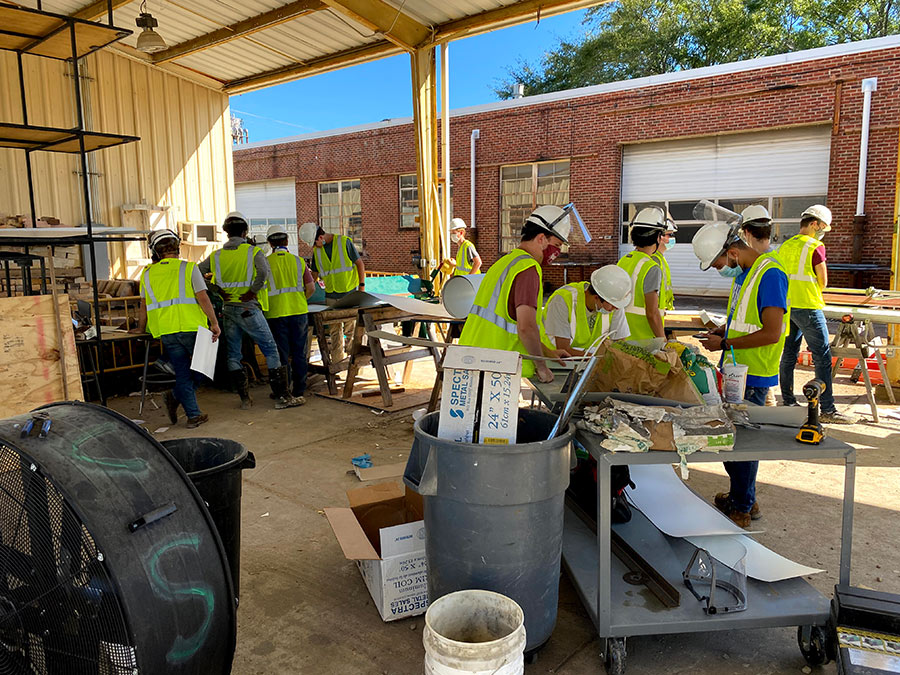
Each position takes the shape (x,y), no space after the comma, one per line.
(494,515)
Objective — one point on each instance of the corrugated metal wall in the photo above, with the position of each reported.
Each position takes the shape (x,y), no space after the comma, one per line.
(182,161)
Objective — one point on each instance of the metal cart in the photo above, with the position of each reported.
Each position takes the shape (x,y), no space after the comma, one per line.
(598,576)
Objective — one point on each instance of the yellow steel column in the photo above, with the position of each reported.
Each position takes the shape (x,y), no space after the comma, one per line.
(425,122)
(893,360)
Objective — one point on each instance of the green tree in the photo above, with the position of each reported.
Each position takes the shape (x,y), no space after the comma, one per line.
(636,38)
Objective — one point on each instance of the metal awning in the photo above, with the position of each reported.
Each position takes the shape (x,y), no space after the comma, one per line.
(249,44)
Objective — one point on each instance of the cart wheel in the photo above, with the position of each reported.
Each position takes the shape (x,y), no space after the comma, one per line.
(615,656)
(813,641)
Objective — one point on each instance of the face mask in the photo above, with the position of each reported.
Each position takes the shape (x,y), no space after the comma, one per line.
(820,235)
(731,272)
(551,253)
(456,238)
(670,243)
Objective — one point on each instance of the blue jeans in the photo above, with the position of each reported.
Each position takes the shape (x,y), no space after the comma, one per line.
(255,326)
(809,324)
(179,349)
(290,333)
(743,474)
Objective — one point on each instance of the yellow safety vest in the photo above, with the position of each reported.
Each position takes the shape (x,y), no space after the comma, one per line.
(637,265)
(463,265)
(745,319)
(287,297)
(583,336)
(795,256)
(666,292)
(233,271)
(169,295)
(339,272)
(489,323)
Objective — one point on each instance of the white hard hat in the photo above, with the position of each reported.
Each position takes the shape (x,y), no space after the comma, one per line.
(755,212)
(711,241)
(671,227)
(651,218)
(235,215)
(275,231)
(613,284)
(553,219)
(308,233)
(820,213)
(156,237)
(457,224)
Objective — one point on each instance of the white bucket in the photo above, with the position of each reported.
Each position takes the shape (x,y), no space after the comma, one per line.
(458,294)
(474,633)
(734,381)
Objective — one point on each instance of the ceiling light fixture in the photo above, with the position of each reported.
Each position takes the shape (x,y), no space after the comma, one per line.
(149,41)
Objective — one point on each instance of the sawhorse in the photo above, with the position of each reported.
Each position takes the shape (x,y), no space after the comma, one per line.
(859,332)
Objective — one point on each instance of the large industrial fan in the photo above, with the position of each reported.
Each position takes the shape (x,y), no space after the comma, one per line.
(109,561)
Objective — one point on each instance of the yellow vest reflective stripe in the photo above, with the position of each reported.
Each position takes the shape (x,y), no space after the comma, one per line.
(637,265)
(287,297)
(795,256)
(583,336)
(233,271)
(745,319)
(463,265)
(666,292)
(489,323)
(338,272)
(169,295)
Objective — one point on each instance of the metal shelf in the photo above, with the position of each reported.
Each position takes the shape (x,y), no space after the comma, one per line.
(32,31)
(52,139)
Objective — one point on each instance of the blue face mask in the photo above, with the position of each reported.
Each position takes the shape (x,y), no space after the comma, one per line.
(731,272)
(670,243)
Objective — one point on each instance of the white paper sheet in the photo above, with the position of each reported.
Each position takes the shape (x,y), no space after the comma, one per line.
(414,306)
(762,563)
(672,506)
(205,350)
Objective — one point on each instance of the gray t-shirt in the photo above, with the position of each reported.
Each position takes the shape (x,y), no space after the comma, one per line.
(557,321)
(653,280)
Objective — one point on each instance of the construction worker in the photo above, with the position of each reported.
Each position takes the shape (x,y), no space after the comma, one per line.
(753,335)
(504,314)
(756,228)
(174,303)
(337,262)
(645,320)
(467,259)
(290,285)
(666,291)
(241,271)
(803,256)
(578,314)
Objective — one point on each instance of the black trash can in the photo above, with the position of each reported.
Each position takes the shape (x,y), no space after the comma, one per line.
(214,466)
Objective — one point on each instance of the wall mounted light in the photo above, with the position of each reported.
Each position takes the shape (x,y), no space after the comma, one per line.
(149,41)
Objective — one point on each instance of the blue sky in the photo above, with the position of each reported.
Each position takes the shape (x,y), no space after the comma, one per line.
(374,91)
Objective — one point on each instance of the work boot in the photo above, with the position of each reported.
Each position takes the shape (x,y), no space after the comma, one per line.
(171,405)
(241,385)
(278,380)
(837,418)
(723,503)
(194,422)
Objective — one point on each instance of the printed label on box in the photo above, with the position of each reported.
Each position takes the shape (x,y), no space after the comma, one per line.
(458,405)
(499,406)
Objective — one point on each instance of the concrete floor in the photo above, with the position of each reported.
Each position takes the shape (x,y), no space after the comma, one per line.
(305,609)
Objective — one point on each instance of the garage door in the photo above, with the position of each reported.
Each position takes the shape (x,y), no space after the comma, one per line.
(266,203)
(785,171)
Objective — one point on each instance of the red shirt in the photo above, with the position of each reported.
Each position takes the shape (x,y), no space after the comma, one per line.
(524,291)
(818,257)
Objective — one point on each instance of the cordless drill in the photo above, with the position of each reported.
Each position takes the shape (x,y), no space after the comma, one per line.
(812,432)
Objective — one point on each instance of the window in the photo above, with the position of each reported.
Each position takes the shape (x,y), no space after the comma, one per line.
(523,187)
(259,227)
(340,209)
(409,199)
(785,212)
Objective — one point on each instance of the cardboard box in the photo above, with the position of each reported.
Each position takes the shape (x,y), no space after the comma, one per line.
(384,532)
(497,375)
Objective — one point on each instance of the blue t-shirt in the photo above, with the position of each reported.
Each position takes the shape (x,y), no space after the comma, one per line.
(773,288)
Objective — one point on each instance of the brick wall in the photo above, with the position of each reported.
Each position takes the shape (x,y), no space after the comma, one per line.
(591,132)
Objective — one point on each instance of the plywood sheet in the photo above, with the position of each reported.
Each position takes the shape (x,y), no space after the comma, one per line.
(30,354)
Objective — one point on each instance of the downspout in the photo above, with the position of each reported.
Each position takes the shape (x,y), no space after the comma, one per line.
(476,134)
(859,219)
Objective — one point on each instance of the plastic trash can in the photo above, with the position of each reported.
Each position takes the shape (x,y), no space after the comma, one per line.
(494,515)
(214,466)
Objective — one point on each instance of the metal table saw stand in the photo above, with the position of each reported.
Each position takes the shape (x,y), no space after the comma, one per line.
(859,333)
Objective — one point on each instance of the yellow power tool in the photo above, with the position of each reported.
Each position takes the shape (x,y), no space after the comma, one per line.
(812,431)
